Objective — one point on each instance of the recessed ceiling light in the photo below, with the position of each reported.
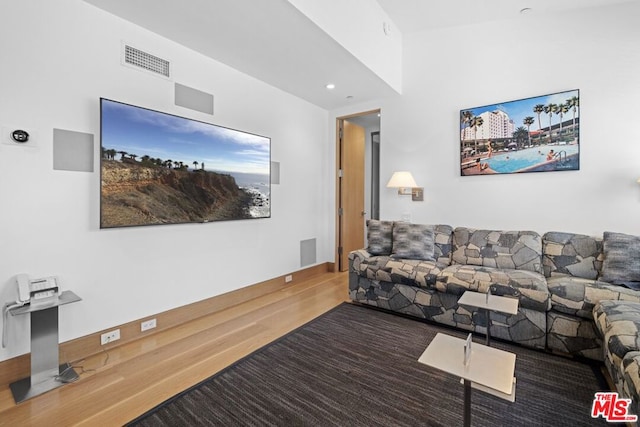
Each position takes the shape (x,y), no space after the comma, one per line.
(349,96)
(330,86)
(525,10)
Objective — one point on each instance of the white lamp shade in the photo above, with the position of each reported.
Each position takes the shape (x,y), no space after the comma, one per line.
(402,179)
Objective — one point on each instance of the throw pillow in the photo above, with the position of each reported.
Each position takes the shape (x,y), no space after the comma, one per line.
(413,241)
(379,235)
(621,258)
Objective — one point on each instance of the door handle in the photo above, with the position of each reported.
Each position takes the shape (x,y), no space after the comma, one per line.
(363,213)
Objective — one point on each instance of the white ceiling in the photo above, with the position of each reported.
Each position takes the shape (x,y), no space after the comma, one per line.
(273,42)
(417,15)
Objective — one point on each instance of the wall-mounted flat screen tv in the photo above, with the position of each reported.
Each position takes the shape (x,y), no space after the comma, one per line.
(158,168)
(539,134)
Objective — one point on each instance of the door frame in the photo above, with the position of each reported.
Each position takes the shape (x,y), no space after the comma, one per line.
(338,182)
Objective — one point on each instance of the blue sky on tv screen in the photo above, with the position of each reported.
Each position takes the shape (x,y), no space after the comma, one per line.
(140,131)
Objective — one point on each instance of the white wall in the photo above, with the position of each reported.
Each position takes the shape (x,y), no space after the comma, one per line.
(447,70)
(364,29)
(59,58)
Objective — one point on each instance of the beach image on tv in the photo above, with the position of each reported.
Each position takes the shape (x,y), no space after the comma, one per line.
(157,168)
(539,134)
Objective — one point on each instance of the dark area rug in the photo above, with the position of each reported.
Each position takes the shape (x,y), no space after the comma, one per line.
(357,366)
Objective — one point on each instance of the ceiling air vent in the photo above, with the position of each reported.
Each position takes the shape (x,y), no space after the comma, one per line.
(142,59)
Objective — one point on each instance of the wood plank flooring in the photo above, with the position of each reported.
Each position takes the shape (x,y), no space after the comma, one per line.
(126,381)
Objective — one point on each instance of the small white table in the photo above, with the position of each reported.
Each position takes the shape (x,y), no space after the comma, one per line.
(489,303)
(489,369)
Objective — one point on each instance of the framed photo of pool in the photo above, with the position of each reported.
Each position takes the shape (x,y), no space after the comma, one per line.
(538,134)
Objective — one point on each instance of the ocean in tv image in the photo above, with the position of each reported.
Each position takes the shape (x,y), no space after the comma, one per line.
(157,168)
(538,134)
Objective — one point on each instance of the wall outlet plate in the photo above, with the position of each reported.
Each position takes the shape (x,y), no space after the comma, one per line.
(109,337)
(148,324)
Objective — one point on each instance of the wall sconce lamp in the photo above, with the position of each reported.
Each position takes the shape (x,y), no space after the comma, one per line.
(404,182)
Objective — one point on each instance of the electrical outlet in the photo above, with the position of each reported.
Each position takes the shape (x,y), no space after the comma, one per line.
(288,278)
(147,324)
(109,337)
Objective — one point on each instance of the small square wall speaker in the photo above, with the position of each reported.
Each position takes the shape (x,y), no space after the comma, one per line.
(72,151)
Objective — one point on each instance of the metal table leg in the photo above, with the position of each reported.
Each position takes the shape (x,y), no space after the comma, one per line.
(467,403)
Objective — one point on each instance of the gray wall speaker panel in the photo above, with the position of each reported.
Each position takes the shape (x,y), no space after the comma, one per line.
(72,151)
(194,99)
(307,252)
(275,172)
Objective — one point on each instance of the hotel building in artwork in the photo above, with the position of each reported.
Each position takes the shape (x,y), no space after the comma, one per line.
(495,124)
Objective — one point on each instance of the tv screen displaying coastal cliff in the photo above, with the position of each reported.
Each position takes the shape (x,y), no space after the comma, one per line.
(158,168)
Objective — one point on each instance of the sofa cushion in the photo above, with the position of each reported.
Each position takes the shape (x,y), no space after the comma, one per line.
(578,296)
(517,250)
(529,286)
(621,258)
(631,379)
(410,272)
(413,241)
(442,239)
(379,237)
(571,254)
(619,324)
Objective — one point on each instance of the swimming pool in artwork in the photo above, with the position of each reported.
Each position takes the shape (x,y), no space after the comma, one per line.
(514,161)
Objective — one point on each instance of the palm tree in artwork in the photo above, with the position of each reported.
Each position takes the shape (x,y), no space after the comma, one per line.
(168,163)
(539,109)
(528,121)
(561,110)
(550,109)
(520,135)
(474,123)
(465,119)
(573,104)
(195,164)
(122,154)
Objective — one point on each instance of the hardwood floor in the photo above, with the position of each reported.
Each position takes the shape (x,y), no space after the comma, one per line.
(141,374)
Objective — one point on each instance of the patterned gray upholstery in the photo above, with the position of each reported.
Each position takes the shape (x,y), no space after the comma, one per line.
(578,296)
(575,255)
(621,258)
(431,289)
(379,237)
(530,287)
(556,278)
(527,327)
(517,250)
(406,271)
(573,335)
(619,324)
(631,379)
(413,241)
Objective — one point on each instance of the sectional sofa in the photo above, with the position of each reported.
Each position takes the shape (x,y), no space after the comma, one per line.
(576,292)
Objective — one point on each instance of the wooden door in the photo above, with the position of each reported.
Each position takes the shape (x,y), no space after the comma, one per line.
(351,211)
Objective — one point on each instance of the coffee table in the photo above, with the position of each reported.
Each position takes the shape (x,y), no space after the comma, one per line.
(487,303)
(489,369)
